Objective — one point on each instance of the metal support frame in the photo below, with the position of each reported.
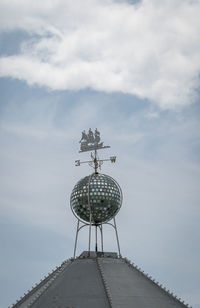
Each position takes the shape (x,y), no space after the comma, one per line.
(90,224)
(100,226)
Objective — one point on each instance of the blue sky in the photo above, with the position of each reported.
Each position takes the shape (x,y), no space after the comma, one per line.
(131,69)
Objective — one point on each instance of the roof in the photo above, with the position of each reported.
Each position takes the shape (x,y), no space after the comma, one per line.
(100,281)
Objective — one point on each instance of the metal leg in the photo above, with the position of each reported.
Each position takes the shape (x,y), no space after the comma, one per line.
(117,237)
(101,230)
(77,230)
(89,234)
(96,248)
(96,235)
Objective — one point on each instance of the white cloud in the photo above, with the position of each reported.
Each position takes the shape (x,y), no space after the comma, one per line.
(150,49)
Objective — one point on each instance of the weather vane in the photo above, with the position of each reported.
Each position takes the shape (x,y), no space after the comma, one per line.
(92,142)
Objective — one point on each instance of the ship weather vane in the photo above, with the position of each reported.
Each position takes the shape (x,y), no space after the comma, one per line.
(92,142)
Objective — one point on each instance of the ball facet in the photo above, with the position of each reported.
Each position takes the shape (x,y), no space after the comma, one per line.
(97,195)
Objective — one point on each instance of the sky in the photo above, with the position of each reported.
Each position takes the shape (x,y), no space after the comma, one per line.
(130,69)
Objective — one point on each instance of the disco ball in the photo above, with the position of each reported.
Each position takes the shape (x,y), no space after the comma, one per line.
(98,195)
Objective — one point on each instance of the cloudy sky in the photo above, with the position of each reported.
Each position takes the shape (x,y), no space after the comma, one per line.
(131,69)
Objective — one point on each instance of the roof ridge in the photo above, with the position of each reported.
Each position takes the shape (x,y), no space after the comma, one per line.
(171,294)
(44,284)
(106,287)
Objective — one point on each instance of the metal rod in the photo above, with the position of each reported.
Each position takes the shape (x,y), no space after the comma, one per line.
(95,162)
(96,248)
(85,225)
(90,215)
(117,237)
(89,235)
(77,230)
(101,229)
(108,223)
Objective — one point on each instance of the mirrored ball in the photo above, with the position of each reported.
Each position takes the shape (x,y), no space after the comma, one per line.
(98,195)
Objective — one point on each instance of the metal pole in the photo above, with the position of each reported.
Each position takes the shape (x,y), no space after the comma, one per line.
(96,249)
(90,214)
(89,235)
(101,230)
(95,162)
(77,230)
(117,237)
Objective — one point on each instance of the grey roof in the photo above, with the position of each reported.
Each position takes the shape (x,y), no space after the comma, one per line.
(100,281)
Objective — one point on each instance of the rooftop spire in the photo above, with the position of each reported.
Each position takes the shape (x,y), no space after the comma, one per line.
(97,198)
